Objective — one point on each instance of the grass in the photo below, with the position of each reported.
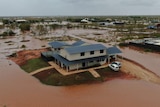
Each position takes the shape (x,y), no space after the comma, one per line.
(52,77)
(123,44)
(148,50)
(34,64)
(56,79)
(108,74)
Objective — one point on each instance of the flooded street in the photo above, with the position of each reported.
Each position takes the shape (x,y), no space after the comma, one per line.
(19,89)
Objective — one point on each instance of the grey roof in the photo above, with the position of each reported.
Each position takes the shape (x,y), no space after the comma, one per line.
(86,48)
(113,50)
(67,62)
(48,53)
(58,44)
(78,43)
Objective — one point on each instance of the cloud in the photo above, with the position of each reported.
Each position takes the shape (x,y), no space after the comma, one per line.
(78,7)
(139,2)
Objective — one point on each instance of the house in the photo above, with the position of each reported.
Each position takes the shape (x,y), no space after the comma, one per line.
(85,20)
(21,21)
(1,23)
(80,54)
(152,27)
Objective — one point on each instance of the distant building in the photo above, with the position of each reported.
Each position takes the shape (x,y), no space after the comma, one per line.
(158,26)
(119,23)
(105,23)
(21,21)
(152,27)
(85,20)
(148,43)
(1,23)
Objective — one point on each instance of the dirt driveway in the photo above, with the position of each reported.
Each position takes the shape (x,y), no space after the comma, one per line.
(139,71)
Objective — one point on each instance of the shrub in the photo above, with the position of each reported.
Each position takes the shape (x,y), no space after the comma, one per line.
(123,44)
(25,27)
(23,46)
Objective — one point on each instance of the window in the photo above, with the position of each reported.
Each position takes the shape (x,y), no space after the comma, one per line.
(102,59)
(101,51)
(90,61)
(82,54)
(91,52)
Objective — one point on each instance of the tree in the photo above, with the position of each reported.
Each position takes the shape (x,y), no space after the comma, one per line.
(25,27)
(41,29)
(6,21)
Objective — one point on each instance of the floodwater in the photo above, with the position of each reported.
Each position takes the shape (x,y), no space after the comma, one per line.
(19,89)
(149,60)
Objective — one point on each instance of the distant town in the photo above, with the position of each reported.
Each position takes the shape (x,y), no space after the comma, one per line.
(121,28)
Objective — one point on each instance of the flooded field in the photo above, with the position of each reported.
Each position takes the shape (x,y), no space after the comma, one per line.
(19,89)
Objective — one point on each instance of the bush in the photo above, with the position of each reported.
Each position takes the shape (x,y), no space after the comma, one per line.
(148,50)
(101,40)
(25,27)
(123,44)
(23,46)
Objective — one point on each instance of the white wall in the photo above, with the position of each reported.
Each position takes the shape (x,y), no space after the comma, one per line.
(74,66)
(63,53)
(87,55)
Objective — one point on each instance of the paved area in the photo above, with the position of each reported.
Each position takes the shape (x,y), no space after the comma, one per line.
(94,73)
(64,72)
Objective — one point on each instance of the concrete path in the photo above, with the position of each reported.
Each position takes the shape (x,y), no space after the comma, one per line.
(94,73)
(40,70)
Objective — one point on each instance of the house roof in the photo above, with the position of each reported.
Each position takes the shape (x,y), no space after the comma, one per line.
(86,48)
(58,44)
(113,50)
(78,43)
(67,62)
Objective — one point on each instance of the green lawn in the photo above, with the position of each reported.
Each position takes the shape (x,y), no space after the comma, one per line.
(34,64)
(52,77)
(57,79)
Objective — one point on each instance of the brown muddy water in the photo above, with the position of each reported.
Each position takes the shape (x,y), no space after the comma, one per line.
(149,60)
(19,89)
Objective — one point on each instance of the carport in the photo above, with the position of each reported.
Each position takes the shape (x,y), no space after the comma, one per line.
(113,51)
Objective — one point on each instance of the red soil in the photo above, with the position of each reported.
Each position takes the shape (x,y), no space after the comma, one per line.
(23,56)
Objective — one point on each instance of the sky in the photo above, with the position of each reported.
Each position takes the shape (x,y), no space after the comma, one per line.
(78,7)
